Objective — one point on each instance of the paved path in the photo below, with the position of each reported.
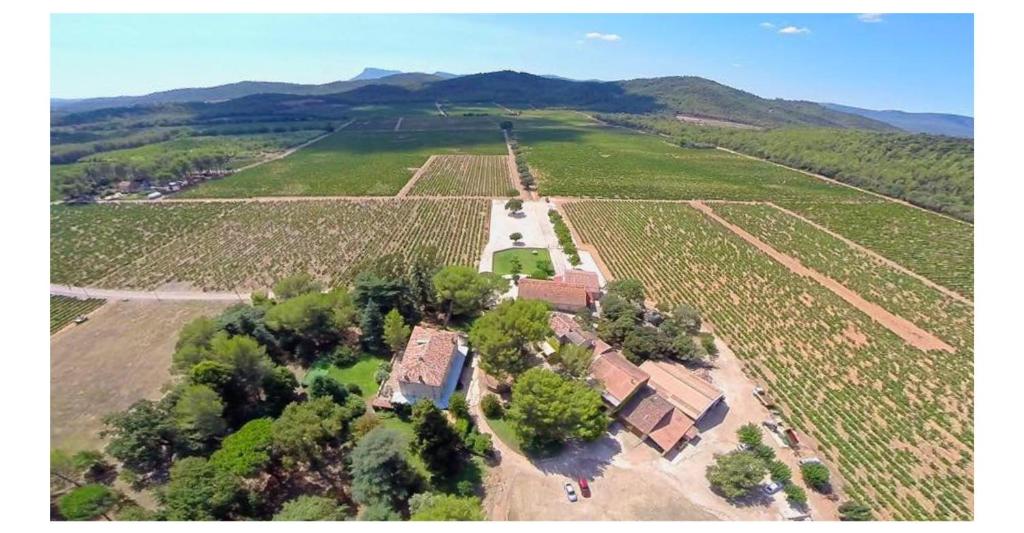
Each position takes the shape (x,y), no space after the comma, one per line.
(123,294)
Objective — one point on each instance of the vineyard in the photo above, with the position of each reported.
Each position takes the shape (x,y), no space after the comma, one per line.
(248,245)
(896,422)
(64,309)
(351,163)
(609,163)
(465,175)
(936,247)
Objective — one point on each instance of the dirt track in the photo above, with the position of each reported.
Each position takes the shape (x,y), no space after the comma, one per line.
(902,327)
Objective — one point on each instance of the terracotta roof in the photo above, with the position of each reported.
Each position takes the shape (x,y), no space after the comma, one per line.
(646,411)
(671,429)
(427,357)
(565,325)
(581,278)
(687,392)
(617,376)
(554,292)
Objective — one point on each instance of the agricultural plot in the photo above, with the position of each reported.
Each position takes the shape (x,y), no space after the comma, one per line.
(249,245)
(451,122)
(242,149)
(64,309)
(614,163)
(896,422)
(351,163)
(950,319)
(465,175)
(934,246)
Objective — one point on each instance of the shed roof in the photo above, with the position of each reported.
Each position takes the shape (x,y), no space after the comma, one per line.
(646,410)
(581,278)
(619,378)
(687,392)
(553,292)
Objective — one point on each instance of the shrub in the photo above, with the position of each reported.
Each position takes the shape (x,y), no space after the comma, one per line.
(480,444)
(458,406)
(795,494)
(779,471)
(354,389)
(764,452)
(750,435)
(853,511)
(491,406)
(815,475)
(87,502)
(344,356)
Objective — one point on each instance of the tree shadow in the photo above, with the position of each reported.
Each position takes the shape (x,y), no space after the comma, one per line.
(577,459)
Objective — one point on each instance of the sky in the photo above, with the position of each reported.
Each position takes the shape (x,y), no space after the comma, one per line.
(911,62)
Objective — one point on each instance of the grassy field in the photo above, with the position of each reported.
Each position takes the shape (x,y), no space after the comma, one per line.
(64,309)
(934,246)
(606,162)
(360,374)
(528,260)
(895,421)
(351,163)
(243,246)
(465,175)
(243,149)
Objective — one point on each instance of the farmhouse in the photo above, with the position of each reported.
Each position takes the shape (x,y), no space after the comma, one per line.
(429,367)
(582,278)
(567,330)
(562,296)
(687,392)
(619,379)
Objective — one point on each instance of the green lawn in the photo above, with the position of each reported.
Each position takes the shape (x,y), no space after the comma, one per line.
(528,258)
(503,430)
(360,373)
(356,163)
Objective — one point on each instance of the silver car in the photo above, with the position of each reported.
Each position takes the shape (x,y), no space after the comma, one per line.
(570,492)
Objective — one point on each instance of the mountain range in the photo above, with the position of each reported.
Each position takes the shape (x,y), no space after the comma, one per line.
(690,95)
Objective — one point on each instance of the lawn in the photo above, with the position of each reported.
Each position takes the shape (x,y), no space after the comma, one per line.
(351,163)
(361,373)
(529,258)
(503,430)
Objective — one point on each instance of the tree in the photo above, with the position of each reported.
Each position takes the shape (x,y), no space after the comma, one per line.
(309,508)
(574,359)
(371,328)
(304,430)
(735,474)
(795,494)
(87,502)
(296,285)
(279,387)
(141,437)
(853,511)
(503,335)
(515,267)
(779,472)
(548,409)
(431,507)
(245,452)
(436,442)
(249,320)
(462,290)
(514,205)
(396,331)
(379,512)
(815,475)
(506,125)
(491,406)
(198,491)
(216,375)
(313,321)
(644,343)
(82,467)
(686,318)
(458,406)
(381,474)
(193,343)
(324,386)
(750,434)
(632,290)
(198,416)
(516,237)
(365,424)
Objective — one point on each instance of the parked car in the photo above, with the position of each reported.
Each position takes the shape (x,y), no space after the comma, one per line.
(570,492)
(809,461)
(772,488)
(584,488)
(80,318)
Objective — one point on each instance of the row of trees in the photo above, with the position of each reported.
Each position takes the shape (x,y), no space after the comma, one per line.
(525,176)
(564,237)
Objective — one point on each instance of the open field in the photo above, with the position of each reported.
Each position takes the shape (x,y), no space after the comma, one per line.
(122,354)
(361,373)
(249,245)
(64,309)
(351,163)
(934,246)
(897,421)
(606,162)
(465,175)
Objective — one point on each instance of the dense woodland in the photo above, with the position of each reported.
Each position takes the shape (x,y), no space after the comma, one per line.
(934,172)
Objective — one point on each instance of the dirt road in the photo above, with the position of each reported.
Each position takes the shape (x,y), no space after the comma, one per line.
(156,295)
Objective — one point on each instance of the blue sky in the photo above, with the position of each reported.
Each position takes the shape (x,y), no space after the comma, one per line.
(908,62)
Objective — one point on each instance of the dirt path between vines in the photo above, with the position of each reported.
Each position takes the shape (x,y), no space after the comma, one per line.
(415,177)
(294,149)
(902,327)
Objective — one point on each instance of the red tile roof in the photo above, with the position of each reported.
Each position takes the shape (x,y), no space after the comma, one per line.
(687,392)
(619,378)
(581,278)
(427,357)
(671,429)
(554,292)
(645,411)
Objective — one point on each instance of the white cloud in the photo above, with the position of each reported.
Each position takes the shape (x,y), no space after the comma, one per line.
(793,30)
(870,18)
(603,36)
(767,25)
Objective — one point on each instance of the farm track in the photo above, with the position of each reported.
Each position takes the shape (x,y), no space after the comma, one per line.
(155,295)
(902,327)
(415,177)
(294,149)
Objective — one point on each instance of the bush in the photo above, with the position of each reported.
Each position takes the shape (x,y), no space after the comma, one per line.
(462,427)
(779,471)
(344,356)
(458,406)
(480,444)
(764,452)
(750,434)
(354,389)
(491,406)
(381,375)
(87,502)
(795,494)
(815,475)
(853,511)
(735,474)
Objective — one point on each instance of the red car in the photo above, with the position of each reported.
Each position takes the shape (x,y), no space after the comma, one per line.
(584,488)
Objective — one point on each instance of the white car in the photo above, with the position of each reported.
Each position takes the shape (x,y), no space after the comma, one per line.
(772,488)
(809,461)
(570,492)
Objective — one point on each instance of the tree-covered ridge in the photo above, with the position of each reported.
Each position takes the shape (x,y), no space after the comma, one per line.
(934,172)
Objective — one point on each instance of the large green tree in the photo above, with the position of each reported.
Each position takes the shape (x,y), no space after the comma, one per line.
(312,322)
(549,409)
(436,442)
(396,331)
(433,507)
(462,290)
(503,335)
(296,285)
(574,359)
(310,508)
(381,474)
(246,452)
(304,430)
(198,416)
(199,491)
(736,474)
(87,502)
(141,437)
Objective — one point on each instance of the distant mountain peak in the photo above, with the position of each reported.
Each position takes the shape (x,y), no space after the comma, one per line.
(370,73)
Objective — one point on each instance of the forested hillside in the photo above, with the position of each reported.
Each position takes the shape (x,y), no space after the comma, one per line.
(934,172)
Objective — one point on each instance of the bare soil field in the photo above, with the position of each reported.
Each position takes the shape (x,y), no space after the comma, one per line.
(121,355)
